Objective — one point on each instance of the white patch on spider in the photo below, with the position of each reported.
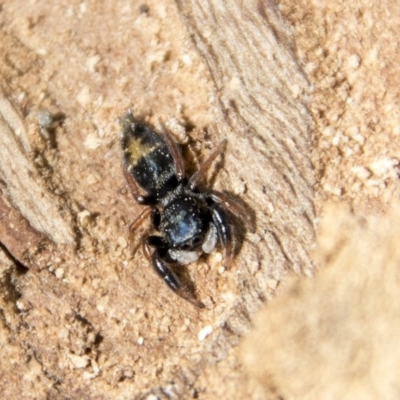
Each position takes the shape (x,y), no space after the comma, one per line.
(184,257)
(210,240)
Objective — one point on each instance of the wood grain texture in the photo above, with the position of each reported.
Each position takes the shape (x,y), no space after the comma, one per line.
(94,317)
(21,181)
(261,92)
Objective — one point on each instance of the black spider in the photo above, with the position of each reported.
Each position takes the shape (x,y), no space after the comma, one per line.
(190,221)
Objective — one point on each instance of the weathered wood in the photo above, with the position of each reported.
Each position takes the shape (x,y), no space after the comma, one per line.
(117,330)
(261,92)
(30,221)
(21,182)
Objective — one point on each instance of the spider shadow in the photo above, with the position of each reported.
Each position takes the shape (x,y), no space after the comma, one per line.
(240,224)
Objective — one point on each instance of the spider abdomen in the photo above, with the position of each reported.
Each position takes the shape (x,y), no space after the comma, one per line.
(147,158)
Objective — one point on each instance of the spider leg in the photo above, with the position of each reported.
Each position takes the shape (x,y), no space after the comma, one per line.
(234,208)
(136,230)
(175,153)
(160,265)
(222,223)
(156,218)
(139,220)
(198,176)
(144,200)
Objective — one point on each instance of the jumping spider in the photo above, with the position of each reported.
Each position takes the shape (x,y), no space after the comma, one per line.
(190,221)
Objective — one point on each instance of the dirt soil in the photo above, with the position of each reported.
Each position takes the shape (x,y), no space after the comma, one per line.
(307,96)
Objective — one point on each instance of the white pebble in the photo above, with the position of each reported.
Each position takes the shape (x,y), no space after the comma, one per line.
(59,273)
(207,330)
(361,172)
(354,61)
(79,361)
(152,397)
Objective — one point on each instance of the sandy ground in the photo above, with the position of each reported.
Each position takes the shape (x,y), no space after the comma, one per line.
(87,320)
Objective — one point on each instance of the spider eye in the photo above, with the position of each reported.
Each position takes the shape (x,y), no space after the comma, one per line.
(196,241)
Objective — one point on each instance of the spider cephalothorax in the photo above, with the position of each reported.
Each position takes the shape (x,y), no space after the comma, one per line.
(190,221)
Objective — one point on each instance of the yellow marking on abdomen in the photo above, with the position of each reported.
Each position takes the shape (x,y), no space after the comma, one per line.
(136,150)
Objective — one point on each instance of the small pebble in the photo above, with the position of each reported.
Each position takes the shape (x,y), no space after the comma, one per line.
(207,330)
(59,273)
